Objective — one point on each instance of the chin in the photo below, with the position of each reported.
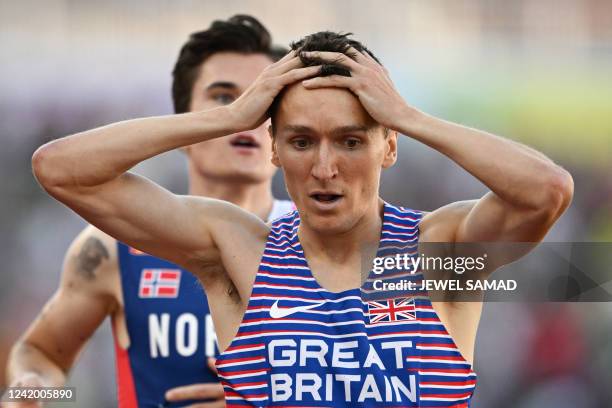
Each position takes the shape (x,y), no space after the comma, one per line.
(248,173)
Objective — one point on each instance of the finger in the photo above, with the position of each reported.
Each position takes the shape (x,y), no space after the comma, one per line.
(290,56)
(366,59)
(332,81)
(334,57)
(211,365)
(287,56)
(288,65)
(195,391)
(299,74)
(377,66)
(360,57)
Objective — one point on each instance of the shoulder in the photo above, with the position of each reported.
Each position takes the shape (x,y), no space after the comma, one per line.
(92,234)
(90,264)
(240,238)
(93,245)
(234,232)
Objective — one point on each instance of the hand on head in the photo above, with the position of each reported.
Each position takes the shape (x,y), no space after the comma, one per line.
(368,80)
(251,109)
(349,68)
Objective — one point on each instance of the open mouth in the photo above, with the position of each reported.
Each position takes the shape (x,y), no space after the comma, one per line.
(326,197)
(244,141)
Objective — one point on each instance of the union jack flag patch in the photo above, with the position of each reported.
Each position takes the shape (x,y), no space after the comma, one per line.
(391,310)
(159,283)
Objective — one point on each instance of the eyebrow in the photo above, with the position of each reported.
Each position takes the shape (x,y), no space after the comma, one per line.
(222,84)
(335,131)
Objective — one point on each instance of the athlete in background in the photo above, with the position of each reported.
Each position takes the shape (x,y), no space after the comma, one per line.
(160,318)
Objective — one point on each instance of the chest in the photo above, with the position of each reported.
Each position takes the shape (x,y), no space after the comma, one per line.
(338,276)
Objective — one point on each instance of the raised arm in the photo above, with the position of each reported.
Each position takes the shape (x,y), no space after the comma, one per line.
(528,191)
(88,172)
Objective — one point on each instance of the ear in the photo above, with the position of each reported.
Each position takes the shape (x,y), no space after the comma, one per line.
(390,149)
(274,159)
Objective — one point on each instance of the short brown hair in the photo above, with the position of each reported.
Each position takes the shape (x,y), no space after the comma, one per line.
(241,33)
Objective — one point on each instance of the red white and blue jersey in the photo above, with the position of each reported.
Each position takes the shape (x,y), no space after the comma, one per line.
(169,326)
(300,345)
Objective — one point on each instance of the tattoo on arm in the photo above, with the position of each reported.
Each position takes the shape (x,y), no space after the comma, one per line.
(90,257)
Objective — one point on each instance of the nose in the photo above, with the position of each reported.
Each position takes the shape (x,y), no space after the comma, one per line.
(324,166)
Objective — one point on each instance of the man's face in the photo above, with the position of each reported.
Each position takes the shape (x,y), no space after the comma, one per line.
(332,153)
(242,157)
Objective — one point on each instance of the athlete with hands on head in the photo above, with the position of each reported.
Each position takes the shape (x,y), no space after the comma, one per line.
(335,117)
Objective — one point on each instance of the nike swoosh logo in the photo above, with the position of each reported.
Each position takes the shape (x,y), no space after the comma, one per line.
(278,313)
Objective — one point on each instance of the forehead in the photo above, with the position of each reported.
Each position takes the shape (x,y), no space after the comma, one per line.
(240,69)
(321,109)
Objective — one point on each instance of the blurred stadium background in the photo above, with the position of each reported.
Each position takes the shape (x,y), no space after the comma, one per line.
(535,71)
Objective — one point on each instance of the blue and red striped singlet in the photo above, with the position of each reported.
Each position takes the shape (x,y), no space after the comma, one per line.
(300,345)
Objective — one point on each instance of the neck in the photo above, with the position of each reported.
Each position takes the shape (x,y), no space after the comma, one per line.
(255,198)
(362,239)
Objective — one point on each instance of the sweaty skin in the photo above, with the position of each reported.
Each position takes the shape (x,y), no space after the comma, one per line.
(90,274)
(329,139)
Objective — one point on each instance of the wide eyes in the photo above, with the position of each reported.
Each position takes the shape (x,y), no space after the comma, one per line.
(349,142)
(352,142)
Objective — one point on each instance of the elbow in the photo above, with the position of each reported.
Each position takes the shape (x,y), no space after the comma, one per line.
(557,193)
(39,162)
(46,168)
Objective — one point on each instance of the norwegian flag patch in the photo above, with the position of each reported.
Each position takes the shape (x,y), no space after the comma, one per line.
(159,283)
(391,310)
